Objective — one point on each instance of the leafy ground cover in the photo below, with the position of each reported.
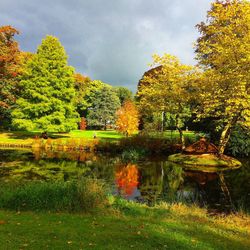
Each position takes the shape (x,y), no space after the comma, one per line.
(132,227)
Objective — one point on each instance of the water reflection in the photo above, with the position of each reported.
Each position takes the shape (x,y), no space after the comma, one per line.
(147,181)
(127,179)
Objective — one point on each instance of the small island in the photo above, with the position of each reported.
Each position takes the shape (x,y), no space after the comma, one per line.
(204,153)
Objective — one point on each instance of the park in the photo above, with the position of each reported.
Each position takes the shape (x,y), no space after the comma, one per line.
(85,164)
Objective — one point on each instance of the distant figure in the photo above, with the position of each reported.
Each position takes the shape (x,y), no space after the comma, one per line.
(94,135)
(44,135)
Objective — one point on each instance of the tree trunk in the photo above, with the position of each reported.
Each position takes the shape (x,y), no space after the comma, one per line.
(225,134)
(105,125)
(182,138)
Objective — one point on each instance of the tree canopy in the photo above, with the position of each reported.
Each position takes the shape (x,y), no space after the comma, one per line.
(104,105)
(167,88)
(9,69)
(223,49)
(47,97)
(127,118)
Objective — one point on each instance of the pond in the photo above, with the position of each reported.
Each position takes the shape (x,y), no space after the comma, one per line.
(149,181)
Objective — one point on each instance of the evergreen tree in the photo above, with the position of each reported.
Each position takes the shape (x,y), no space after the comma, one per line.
(104,106)
(47,97)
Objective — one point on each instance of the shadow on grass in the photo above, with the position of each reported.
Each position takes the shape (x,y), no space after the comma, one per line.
(31,135)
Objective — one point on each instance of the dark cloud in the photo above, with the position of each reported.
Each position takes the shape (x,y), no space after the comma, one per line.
(110,40)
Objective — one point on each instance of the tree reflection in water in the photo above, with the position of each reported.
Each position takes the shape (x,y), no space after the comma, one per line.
(127,179)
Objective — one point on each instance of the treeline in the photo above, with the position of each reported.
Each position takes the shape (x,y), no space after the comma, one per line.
(41,91)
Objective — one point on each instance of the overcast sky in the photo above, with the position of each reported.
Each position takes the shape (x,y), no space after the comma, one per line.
(109,40)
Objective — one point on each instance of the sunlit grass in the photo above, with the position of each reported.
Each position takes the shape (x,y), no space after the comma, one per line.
(140,227)
(27,137)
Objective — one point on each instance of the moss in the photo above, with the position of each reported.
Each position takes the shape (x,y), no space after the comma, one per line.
(209,160)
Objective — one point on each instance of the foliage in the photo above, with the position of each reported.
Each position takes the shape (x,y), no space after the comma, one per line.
(167,88)
(83,123)
(9,69)
(103,109)
(124,94)
(127,118)
(223,49)
(47,97)
(82,85)
(86,194)
(239,143)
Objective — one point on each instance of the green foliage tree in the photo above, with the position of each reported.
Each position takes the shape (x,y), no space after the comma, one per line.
(104,104)
(124,94)
(47,97)
(223,49)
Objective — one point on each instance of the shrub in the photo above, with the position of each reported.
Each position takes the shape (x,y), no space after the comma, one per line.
(239,143)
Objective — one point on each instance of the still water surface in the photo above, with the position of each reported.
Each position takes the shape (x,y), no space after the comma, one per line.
(147,181)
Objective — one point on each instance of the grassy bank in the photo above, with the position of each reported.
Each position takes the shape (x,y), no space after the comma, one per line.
(136,227)
(83,216)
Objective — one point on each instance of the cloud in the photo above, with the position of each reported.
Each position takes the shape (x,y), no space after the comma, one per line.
(109,40)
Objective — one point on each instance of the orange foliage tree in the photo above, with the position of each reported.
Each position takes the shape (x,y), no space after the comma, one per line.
(83,123)
(127,118)
(9,68)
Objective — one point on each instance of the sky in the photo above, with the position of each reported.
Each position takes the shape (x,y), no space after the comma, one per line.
(109,40)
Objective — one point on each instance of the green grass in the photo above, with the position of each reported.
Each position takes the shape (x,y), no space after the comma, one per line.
(84,194)
(204,160)
(173,227)
(26,137)
(116,224)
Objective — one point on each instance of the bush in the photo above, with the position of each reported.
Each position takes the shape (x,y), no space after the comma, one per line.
(86,194)
(133,155)
(239,143)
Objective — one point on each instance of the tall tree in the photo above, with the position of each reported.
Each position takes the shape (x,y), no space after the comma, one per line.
(223,49)
(105,103)
(127,118)
(168,88)
(9,69)
(47,97)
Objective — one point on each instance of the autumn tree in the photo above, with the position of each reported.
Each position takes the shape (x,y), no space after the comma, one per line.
(223,49)
(83,123)
(104,104)
(168,89)
(9,69)
(127,118)
(82,86)
(47,98)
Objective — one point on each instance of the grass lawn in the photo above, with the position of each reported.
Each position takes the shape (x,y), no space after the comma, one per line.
(26,137)
(151,228)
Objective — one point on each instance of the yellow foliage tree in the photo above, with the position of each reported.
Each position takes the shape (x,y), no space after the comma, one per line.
(127,118)
(168,88)
(223,49)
